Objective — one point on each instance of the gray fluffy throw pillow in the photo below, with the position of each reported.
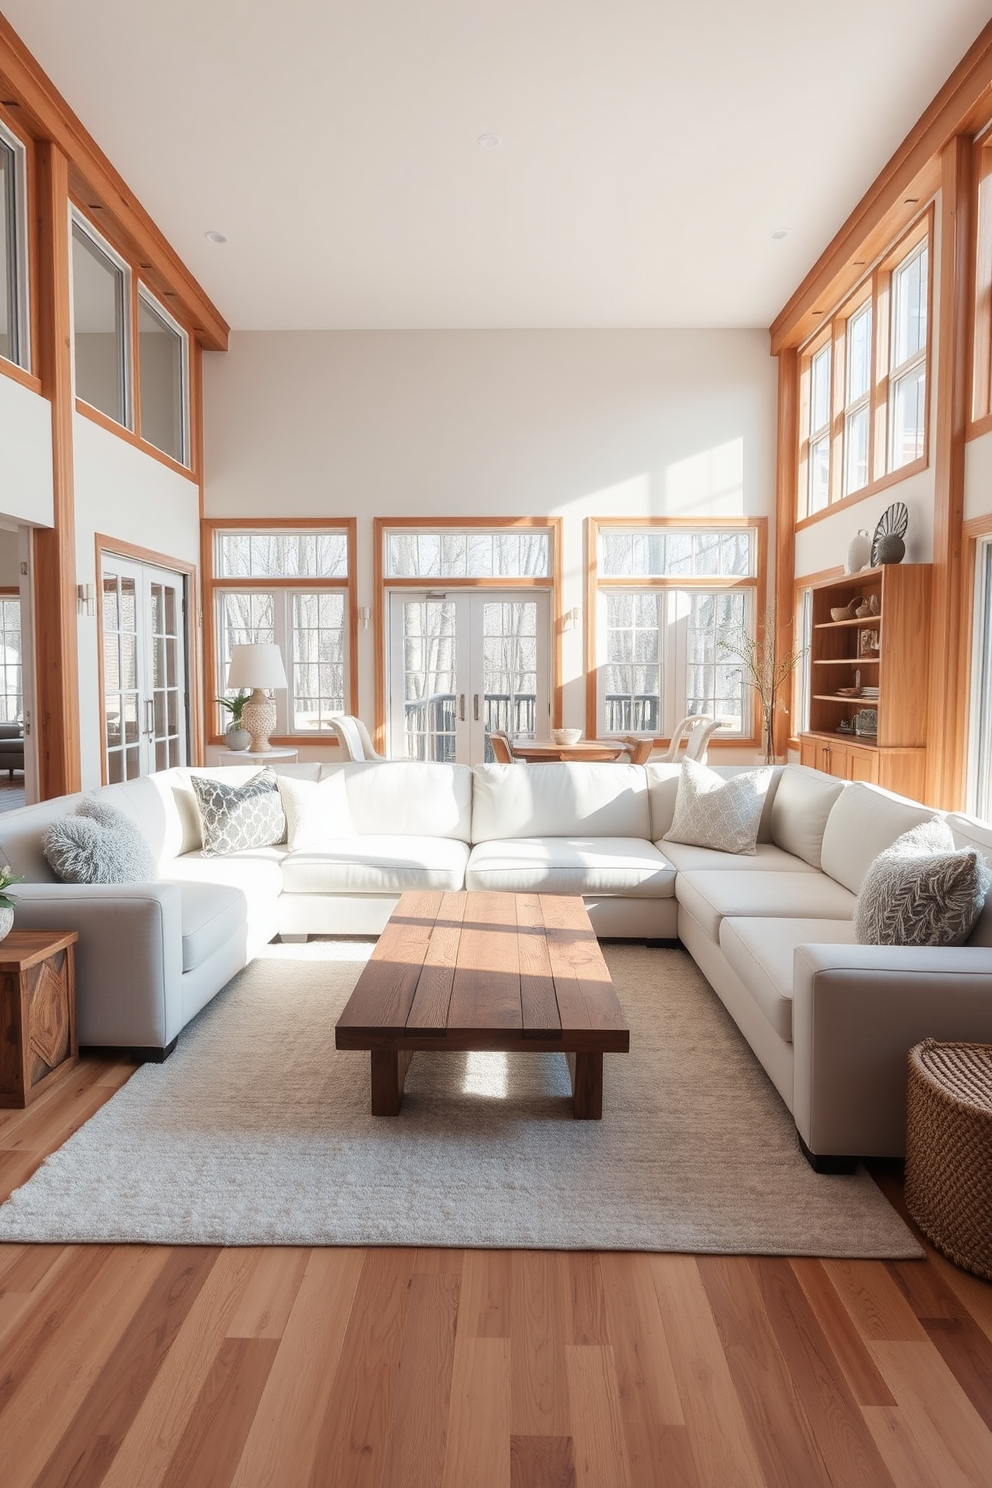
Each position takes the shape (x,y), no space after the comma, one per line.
(99,845)
(922,891)
(236,817)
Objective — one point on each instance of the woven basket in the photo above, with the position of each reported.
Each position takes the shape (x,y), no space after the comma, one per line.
(949,1150)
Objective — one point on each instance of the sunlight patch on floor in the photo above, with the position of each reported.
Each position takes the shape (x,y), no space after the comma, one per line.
(486,1074)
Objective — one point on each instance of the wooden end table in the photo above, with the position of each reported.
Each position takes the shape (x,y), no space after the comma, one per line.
(462,971)
(37,1013)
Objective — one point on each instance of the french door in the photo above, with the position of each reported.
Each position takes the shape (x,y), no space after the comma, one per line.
(145,724)
(464,663)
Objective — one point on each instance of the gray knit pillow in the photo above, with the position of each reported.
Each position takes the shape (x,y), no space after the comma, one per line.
(713,812)
(99,845)
(922,891)
(236,817)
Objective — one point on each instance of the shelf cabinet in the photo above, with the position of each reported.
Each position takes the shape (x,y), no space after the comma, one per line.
(868,678)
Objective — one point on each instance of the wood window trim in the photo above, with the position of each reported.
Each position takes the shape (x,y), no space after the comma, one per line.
(29,376)
(980,411)
(381,585)
(212,586)
(103,543)
(595,586)
(876,286)
(95,416)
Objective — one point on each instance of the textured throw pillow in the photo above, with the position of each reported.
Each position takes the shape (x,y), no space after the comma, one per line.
(713,812)
(99,845)
(316,810)
(922,891)
(236,817)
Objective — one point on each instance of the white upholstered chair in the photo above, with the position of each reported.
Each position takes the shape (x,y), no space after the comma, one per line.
(354,738)
(691,739)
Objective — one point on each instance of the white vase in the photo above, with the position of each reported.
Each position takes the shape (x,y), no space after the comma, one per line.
(859,551)
(6,922)
(237,739)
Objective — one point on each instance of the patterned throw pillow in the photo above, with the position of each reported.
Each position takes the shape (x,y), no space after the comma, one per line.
(922,891)
(713,812)
(236,817)
(99,845)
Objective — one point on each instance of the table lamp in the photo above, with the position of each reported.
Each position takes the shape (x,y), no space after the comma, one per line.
(257,666)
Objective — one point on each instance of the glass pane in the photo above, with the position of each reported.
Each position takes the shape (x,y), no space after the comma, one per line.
(429,679)
(282,555)
(161,382)
(908,416)
(499,553)
(819,474)
(8,253)
(318,659)
(819,394)
(509,645)
(856,449)
(714,682)
(98,292)
(909,308)
(633,673)
(703,552)
(859,354)
(11,674)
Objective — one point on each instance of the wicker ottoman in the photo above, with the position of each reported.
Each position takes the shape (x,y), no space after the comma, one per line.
(949,1150)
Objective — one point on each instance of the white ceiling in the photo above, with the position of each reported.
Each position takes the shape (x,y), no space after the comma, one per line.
(649,148)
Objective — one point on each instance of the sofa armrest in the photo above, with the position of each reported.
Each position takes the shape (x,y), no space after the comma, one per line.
(856,1012)
(129,956)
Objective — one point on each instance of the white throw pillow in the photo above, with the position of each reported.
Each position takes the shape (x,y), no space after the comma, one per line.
(713,812)
(316,810)
(922,891)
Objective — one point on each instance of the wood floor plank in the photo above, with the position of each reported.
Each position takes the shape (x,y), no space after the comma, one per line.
(900,1452)
(212,1443)
(416,1435)
(716,1431)
(26,1266)
(587,1313)
(598,1443)
(484,1310)
(266,1303)
(477,1452)
(846,1343)
(874,1300)
(93,1437)
(538,1328)
(143,1457)
(926,1291)
(351,1447)
(974,1292)
(281,1445)
(946,1431)
(967,1352)
(541,1462)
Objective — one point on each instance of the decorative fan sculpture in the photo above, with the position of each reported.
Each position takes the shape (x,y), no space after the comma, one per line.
(887,545)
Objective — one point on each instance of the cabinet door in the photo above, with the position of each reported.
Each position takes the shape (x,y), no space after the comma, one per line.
(837,760)
(863,765)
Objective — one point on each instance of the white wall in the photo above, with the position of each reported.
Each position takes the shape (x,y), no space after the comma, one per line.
(25,454)
(491,423)
(125,494)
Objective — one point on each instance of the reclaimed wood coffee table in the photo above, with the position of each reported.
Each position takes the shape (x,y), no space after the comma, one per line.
(520,973)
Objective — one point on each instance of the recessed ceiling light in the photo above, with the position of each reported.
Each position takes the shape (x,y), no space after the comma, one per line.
(780,232)
(489,142)
(213,236)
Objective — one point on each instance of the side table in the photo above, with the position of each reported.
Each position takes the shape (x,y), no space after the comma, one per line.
(243,757)
(37,1012)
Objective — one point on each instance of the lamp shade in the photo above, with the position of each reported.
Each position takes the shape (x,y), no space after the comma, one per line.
(258,665)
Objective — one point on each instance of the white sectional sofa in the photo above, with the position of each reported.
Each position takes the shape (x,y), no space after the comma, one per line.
(830,1020)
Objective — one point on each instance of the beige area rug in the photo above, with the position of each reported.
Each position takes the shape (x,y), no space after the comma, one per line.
(256,1132)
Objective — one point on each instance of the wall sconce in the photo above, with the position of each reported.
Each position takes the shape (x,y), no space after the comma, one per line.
(570,619)
(85,599)
(364,616)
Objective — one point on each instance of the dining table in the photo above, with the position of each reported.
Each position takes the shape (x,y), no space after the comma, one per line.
(545,751)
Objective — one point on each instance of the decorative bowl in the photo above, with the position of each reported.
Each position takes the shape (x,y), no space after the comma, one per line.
(566,736)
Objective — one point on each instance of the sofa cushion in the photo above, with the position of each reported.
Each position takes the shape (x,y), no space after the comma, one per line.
(560,800)
(922,891)
(99,845)
(710,896)
(211,915)
(376,865)
(572,865)
(255,873)
(687,858)
(802,803)
(316,810)
(863,821)
(762,952)
(235,817)
(409,798)
(713,812)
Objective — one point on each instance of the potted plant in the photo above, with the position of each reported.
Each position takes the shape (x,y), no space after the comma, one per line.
(764,670)
(7,877)
(237,736)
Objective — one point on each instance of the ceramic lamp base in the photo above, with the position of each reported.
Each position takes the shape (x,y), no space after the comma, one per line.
(259,717)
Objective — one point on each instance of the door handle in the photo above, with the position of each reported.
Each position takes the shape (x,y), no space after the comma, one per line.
(461,706)
(475,706)
(150,717)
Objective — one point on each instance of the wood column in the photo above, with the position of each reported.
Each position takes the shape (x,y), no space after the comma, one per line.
(54,548)
(948,703)
(785,528)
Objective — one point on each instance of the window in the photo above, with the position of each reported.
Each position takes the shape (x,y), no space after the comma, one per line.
(980,733)
(669,593)
(11,668)
(863,382)
(502,553)
(100,323)
(289,586)
(14,341)
(163,377)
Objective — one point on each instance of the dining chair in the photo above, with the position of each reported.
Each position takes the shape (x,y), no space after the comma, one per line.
(501,747)
(638,750)
(691,739)
(353,737)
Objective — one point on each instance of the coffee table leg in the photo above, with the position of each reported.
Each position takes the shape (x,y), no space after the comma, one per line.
(389,1067)
(587,1086)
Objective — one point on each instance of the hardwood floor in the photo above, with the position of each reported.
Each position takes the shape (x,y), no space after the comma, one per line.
(141,1366)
